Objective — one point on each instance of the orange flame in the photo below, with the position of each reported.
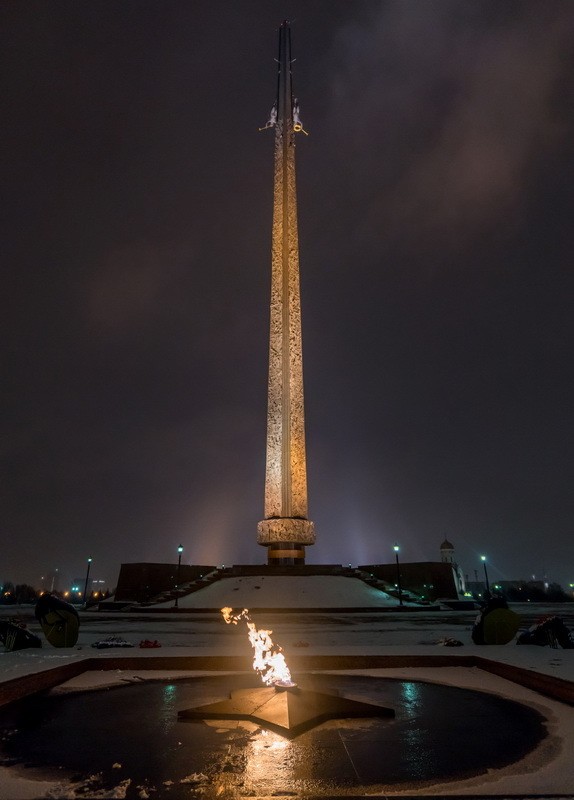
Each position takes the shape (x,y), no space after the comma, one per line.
(268,659)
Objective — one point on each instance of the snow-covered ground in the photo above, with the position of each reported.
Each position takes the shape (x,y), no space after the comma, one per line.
(549,770)
(312,591)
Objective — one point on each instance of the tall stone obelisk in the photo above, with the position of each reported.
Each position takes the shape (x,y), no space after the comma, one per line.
(285,530)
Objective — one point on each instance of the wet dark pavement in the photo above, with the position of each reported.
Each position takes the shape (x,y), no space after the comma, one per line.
(130,738)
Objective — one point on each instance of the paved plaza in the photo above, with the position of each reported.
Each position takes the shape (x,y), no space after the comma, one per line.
(201,660)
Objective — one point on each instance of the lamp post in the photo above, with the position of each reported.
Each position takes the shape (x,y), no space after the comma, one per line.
(86,583)
(487,593)
(179,552)
(396,548)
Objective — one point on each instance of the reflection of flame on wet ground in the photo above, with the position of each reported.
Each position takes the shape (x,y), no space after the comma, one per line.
(268,659)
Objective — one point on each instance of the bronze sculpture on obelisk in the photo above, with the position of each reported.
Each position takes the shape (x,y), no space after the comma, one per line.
(285,530)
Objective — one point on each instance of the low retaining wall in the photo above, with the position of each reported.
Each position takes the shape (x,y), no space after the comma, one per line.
(17,688)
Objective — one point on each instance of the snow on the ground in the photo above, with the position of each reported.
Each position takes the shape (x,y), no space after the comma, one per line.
(297,591)
(322,633)
(16,787)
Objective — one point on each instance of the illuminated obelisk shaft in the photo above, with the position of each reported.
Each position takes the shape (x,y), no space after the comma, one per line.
(285,529)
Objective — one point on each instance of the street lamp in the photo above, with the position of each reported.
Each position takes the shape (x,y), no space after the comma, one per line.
(87,578)
(487,593)
(179,552)
(396,548)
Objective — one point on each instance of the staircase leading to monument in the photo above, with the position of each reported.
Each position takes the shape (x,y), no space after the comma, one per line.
(186,588)
(301,570)
(160,601)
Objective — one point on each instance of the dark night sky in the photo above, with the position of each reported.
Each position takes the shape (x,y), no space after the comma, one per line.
(436,200)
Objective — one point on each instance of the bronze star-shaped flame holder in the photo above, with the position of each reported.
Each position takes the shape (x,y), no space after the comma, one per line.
(288,712)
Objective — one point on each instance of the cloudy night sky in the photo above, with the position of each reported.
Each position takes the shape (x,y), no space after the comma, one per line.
(436,207)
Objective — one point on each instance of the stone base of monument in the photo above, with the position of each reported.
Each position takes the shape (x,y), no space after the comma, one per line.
(285,529)
(287,711)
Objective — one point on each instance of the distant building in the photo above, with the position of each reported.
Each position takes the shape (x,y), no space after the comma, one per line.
(447,556)
(447,552)
(516,591)
(429,579)
(519,586)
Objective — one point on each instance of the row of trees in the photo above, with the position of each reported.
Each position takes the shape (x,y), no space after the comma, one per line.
(22,593)
(529,592)
(19,593)
(525,593)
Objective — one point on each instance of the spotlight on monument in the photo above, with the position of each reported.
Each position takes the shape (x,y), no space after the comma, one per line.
(281,706)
